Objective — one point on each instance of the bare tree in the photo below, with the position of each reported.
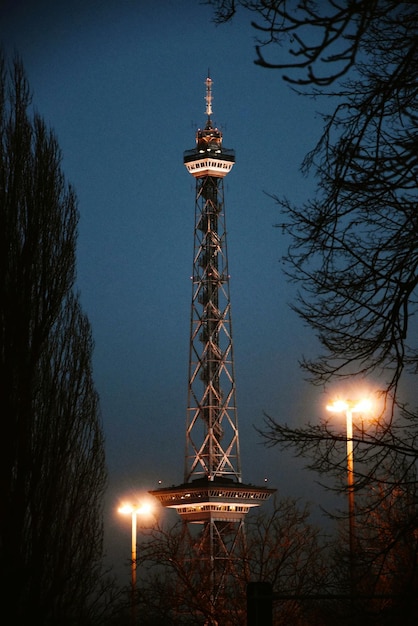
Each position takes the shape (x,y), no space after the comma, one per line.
(386,554)
(323,38)
(281,547)
(52,472)
(354,245)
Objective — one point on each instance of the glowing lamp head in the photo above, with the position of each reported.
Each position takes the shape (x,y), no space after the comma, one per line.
(363,406)
(126,509)
(140,509)
(338,406)
(360,406)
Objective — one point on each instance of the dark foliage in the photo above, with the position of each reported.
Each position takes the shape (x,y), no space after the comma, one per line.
(279,545)
(52,472)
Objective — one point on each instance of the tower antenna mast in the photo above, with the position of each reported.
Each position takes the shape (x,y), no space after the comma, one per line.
(208,98)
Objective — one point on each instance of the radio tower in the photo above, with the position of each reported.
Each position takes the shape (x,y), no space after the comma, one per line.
(212,494)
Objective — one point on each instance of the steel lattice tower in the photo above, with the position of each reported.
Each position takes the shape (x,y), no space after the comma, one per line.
(212,493)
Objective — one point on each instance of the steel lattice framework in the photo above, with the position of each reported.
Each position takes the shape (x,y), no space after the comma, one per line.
(212,494)
(212,428)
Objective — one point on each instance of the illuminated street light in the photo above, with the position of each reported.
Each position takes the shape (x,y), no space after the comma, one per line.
(349,407)
(134,510)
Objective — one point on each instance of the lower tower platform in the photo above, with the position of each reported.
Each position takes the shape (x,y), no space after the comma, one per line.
(222,500)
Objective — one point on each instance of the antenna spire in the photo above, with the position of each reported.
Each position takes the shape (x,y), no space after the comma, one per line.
(208,97)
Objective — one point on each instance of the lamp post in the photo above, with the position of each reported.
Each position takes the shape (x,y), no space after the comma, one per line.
(349,407)
(134,511)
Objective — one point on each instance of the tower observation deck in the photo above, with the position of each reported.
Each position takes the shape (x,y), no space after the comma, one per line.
(212,493)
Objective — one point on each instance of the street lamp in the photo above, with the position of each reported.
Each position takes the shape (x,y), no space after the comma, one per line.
(349,407)
(134,510)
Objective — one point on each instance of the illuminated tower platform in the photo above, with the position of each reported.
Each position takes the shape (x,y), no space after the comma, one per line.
(212,493)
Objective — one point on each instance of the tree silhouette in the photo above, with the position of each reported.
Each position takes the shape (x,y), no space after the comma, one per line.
(354,245)
(52,472)
(280,547)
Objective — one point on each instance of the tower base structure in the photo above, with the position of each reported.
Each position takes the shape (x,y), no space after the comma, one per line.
(213,514)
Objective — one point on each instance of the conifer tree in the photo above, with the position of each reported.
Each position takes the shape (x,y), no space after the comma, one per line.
(52,466)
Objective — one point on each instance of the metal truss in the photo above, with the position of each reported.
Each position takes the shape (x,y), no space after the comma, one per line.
(212,442)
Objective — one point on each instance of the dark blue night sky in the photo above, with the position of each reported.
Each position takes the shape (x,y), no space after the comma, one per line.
(122,84)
